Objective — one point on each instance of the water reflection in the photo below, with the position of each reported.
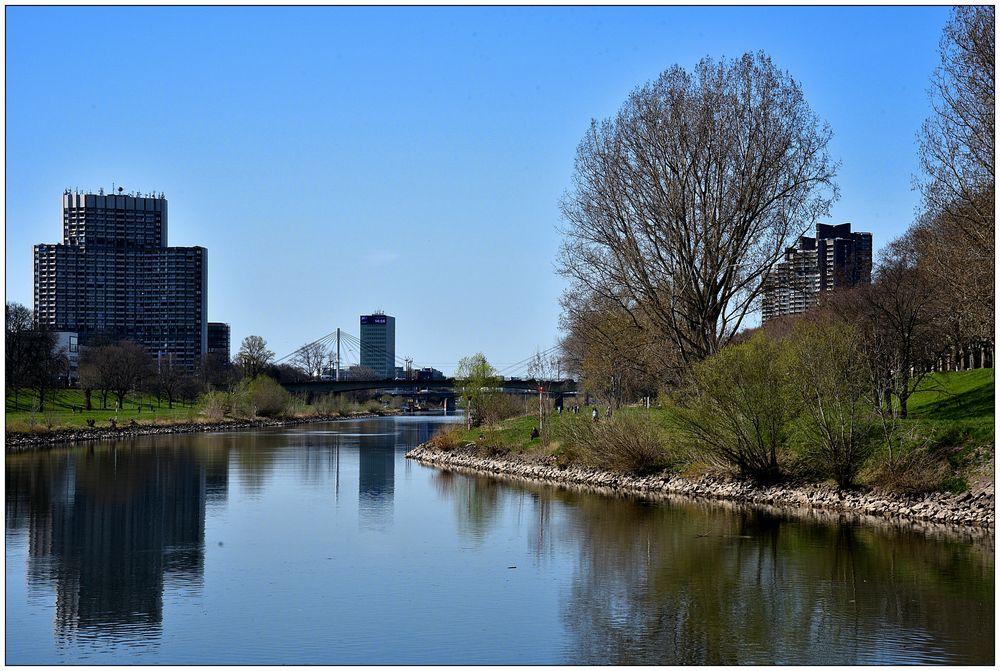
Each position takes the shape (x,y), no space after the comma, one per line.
(109,528)
(667,584)
(113,543)
(376,479)
(476,502)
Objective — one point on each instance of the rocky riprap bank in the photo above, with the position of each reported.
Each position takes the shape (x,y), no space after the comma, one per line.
(967,509)
(18,442)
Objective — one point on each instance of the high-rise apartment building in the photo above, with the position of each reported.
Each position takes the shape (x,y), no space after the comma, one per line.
(114,274)
(835,258)
(218,340)
(378,344)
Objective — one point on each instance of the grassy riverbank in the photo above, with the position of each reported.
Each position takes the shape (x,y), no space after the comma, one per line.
(947,439)
(64,410)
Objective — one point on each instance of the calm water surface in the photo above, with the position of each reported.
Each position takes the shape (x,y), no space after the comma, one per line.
(322,544)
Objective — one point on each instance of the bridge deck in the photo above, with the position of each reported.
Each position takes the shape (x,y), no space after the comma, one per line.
(509,386)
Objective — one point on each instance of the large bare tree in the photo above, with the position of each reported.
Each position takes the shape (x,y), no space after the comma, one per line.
(955,234)
(170,379)
(683,202)
(957,142)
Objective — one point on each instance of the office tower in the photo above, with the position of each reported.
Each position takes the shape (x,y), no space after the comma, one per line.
(114,275)
(378,344)
(835,258)
(218,340)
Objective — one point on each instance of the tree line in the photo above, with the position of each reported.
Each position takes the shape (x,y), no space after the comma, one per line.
(111,369)
(683,202)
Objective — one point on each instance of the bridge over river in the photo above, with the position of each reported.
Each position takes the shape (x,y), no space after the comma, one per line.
(550,387)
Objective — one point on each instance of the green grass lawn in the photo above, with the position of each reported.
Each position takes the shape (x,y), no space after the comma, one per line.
(515,433)
(959,395)
(60,403)
(955,407)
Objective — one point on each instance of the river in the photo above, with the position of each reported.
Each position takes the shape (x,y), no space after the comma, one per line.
(322,544)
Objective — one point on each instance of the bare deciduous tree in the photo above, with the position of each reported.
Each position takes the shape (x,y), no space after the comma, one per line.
(253,356)
(615,357)
(902,332)
(216,371)
(956,264)
(93,374)
(18,325)
(310,358)
(544,366)
(957,143)
(170,378)
(126,366)
(683,202)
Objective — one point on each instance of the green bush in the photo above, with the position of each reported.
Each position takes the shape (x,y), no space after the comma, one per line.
(267,398)
(736,408)
(259,397)
(837,428)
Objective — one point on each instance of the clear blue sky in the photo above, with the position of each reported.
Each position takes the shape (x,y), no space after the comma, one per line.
(336,161)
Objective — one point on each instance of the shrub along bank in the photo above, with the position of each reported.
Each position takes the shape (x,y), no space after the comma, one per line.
(730,423)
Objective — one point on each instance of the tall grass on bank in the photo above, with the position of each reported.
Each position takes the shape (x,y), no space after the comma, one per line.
(627,442)
(446,438)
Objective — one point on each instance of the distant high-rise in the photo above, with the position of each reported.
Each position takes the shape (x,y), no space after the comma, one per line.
(378,344)
(113,274)
(218,340)
(835,258)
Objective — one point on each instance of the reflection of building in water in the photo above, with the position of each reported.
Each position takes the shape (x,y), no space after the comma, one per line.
(415,433)
(118,526)
(217,481)
(376,474)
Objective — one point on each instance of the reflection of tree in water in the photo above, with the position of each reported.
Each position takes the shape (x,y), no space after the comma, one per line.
(253,456)
(214,456)
(665,584)
(476,501)
(109,526)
